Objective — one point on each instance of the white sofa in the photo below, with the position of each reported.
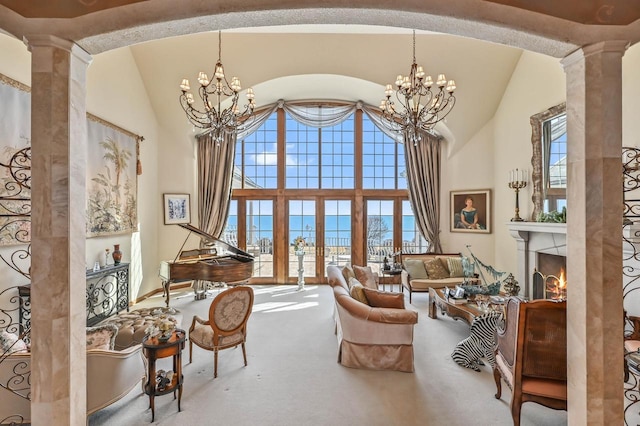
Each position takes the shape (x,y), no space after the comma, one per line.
(414,284)
(110,375)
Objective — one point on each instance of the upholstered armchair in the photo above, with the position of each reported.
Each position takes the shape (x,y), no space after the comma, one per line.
(531,354)
(226,326)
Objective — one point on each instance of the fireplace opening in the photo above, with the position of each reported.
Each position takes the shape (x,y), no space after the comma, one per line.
(549,279)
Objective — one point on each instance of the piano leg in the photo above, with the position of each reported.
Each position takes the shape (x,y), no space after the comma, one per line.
(166,285)
(200,289)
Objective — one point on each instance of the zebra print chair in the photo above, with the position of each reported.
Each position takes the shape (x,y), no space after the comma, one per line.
(480,343)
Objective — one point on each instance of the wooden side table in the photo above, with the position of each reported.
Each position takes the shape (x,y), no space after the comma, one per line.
(393,273)
(154,349)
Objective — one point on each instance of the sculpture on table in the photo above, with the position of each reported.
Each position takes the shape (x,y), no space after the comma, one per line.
(493,287)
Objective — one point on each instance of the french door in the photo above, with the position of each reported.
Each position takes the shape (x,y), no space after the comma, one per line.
(324,226)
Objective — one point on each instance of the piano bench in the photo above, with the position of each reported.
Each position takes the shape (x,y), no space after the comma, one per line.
(132,325)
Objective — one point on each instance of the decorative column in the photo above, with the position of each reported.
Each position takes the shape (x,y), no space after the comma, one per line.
(59,133)
(594,234)
(300,254)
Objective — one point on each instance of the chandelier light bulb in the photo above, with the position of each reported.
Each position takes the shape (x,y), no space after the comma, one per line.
(250,94)
(428,82)
(451,86)
(399,80)
(442,80)
(420,73)
(185,85)
(388,91)
(189,98)
(219,71)
(203,78)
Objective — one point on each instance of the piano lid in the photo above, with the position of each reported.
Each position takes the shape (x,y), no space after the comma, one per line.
(211,238)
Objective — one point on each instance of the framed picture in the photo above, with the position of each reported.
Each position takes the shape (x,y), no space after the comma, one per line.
(471,211)
(177,209)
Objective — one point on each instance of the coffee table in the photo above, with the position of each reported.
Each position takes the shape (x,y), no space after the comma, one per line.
(465,312)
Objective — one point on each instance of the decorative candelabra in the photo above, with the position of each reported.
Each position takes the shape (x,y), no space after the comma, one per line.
(518,180)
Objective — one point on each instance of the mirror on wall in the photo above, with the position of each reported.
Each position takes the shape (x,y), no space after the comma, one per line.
(549,160)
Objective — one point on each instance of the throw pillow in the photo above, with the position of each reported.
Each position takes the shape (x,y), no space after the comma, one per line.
(384,299)
(102,337)
(10,343)
(445,263)
(365,275)
(415,268)
(435,269)
(455,267)
(357,291)
(347,273)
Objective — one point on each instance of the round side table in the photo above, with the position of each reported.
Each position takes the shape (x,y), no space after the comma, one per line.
(154,349)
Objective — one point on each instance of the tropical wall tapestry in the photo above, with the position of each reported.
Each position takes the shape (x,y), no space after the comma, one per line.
(112,178)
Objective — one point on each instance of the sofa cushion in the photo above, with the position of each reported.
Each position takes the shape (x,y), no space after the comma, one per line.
(455,267)
(357,291)
(415,268)
(11,343)
(384,299)
(102,337)
(347,273)
(426,283)
(435,269)
(365,275)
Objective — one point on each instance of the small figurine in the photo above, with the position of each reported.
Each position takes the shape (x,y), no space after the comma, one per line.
(511,286)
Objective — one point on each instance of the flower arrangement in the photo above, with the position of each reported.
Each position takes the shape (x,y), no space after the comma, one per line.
(299,243)
(162,326)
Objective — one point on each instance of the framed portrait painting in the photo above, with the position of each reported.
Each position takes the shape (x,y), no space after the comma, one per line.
(471,211)
(177,209)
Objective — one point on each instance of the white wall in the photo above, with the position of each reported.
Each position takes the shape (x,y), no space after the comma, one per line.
(470,168)
(537,83)
(114,93)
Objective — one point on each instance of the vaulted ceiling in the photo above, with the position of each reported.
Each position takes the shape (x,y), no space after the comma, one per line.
(373,34)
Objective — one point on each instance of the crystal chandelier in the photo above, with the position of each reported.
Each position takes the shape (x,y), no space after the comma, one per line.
(421,107)
(212,92)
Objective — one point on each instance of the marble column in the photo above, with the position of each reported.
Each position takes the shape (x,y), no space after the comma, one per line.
(59,132)
(594,234)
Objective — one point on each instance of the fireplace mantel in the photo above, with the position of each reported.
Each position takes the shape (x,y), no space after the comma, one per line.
(533,238)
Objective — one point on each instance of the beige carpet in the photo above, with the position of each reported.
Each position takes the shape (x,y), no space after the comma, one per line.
(292,377)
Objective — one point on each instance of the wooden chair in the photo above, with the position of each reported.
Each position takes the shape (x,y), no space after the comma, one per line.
(227,324)
(531,354)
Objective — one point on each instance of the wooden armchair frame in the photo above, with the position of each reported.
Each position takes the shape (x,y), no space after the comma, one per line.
(531,354)
(225,328)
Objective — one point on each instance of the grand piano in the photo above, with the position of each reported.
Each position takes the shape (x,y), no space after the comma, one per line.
(234,266)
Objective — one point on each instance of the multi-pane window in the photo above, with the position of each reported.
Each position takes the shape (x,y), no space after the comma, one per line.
(379,158)
(338,155)
(308,182)
(412,239)
(379,232)
(302,157)
(337,232)
(554,143)
(259,220)
(256,158)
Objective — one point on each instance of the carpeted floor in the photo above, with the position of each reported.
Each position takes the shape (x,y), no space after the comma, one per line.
(293,377)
